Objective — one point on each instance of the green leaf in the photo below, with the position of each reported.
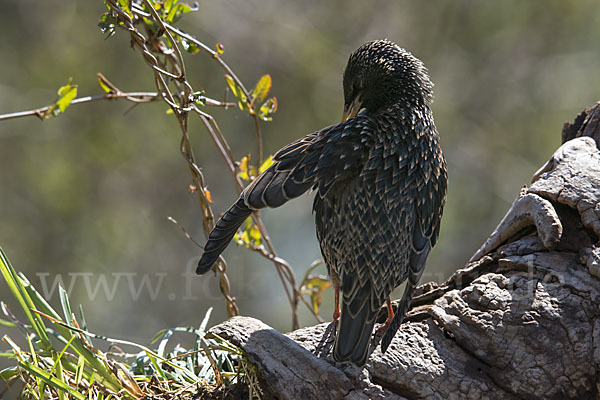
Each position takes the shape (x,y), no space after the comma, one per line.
(168,4)
(173,10)
(59,373)
(261,90)
(180,9)
(7,373)
(66,306)
(232,85)
(107,25)
(66,94)
(15,348)
(268,108)
(79,370)
(238,93)
(319,282)
(248,235)
(7,323)
(247,171)
(83,323)
(124,4)
(50,379)
(39,303)
(189,46)
(254,235)
(18,288)
(104,86)
(314,287)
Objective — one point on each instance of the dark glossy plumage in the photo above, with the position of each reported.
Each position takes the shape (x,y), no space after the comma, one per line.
(380,178)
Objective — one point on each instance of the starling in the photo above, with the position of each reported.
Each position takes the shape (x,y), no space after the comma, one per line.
(380,181)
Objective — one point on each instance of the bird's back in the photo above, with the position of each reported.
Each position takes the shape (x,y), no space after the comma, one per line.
(366,225)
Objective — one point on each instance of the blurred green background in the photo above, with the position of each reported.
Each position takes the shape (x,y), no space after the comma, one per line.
(86,196)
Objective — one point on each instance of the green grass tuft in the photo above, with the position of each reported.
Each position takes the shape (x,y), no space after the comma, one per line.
(60,361)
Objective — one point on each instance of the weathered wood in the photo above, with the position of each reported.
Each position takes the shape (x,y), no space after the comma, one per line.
(529,209)
(281,361)
(587,123)
(521,321)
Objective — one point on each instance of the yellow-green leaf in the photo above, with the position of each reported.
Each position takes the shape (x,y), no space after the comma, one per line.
(104,86)
(232,85)
(243,174)
(171,7)
(238,93)
(247,171)
(268,108)
(107,25)
(318,282)
(248,235)
(268,162)
(66,94)
(124,4)
(315,286)
(261,90)
(188,45)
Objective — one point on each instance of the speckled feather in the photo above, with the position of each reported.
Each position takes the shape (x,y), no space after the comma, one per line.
(380,179)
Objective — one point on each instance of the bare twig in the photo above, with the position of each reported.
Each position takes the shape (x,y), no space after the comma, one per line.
(134,97)
(230,72)
(161,52)
(172,70)
(145,97)
(187,235)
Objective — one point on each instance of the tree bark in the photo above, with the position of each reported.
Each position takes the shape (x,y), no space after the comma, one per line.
(520,321)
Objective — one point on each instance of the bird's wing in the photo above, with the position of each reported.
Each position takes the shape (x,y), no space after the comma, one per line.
(432,193)
(317,160)
(430,199)
(421,245)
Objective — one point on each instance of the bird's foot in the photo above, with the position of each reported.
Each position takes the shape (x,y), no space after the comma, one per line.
(336,315)
(380,331)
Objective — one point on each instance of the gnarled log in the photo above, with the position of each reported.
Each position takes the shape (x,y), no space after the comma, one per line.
(520,321)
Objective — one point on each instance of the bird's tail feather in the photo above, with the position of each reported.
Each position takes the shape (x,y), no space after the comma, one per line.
(398,317)
(418,258)
(222,234)
(271,189)
(354,334)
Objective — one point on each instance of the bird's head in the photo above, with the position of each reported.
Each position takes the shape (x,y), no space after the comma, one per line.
(380,74)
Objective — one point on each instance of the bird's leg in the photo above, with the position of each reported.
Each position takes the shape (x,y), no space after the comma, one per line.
(336,307)
(388,320)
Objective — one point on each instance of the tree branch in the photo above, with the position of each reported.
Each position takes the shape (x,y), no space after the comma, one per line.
(134,97)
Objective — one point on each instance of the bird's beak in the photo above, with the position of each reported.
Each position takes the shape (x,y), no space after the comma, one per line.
(350,110)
